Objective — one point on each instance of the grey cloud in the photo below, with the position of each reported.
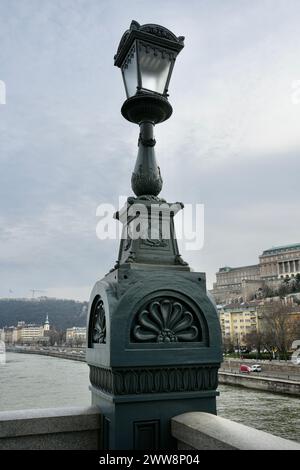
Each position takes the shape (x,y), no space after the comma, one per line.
(232,143)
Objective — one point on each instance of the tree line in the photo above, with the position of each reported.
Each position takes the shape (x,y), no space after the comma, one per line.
(62,313)
(289,285)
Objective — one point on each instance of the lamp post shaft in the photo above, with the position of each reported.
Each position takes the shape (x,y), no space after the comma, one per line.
(146,178)
(147,134)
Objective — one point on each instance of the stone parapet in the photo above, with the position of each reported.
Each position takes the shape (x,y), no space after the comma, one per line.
(205,431)
(50,429)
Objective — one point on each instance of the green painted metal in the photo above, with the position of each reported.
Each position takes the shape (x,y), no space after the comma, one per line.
(154,339)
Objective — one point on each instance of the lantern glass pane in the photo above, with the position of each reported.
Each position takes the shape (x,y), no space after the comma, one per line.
(154,68)
(130,73)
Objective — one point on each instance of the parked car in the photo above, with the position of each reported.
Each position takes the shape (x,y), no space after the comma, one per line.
(256,368)
(244,368)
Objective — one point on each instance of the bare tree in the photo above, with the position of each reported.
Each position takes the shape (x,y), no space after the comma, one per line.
(277,327)
(228,345)
(255,340)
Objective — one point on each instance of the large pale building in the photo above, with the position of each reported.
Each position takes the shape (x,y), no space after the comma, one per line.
(2,334)
(27,333)
(30,333)
(280,262)
(242,283)
(238,320)
(76,334)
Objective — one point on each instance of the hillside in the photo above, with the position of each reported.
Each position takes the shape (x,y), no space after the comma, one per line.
(62,313)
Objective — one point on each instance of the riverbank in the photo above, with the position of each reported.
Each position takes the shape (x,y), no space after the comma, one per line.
(61,355)
(267,384)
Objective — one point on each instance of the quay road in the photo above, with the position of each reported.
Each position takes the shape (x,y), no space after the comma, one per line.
(285,370)
(276,376)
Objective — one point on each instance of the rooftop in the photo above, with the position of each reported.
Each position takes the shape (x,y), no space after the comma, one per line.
(226,269)
(275,249)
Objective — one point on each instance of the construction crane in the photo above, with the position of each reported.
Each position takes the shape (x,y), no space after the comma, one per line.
(34,291)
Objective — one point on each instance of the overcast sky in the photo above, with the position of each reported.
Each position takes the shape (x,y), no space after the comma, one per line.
(233,142)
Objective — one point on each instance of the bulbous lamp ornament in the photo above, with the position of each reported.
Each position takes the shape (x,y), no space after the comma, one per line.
(146,57)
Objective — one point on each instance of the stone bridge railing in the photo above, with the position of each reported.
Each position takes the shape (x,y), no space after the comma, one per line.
(80,429)
(50,429)
(209,432)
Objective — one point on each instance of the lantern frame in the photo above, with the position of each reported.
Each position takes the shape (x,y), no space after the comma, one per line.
(150,36)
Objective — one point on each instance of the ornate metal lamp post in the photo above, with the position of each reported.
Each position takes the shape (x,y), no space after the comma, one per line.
(154,342)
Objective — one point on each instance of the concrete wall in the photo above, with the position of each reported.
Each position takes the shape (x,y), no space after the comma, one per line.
(205,431)
(268,384)
(51,429)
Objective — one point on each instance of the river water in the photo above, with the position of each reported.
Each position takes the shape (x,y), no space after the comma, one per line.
(32,381)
